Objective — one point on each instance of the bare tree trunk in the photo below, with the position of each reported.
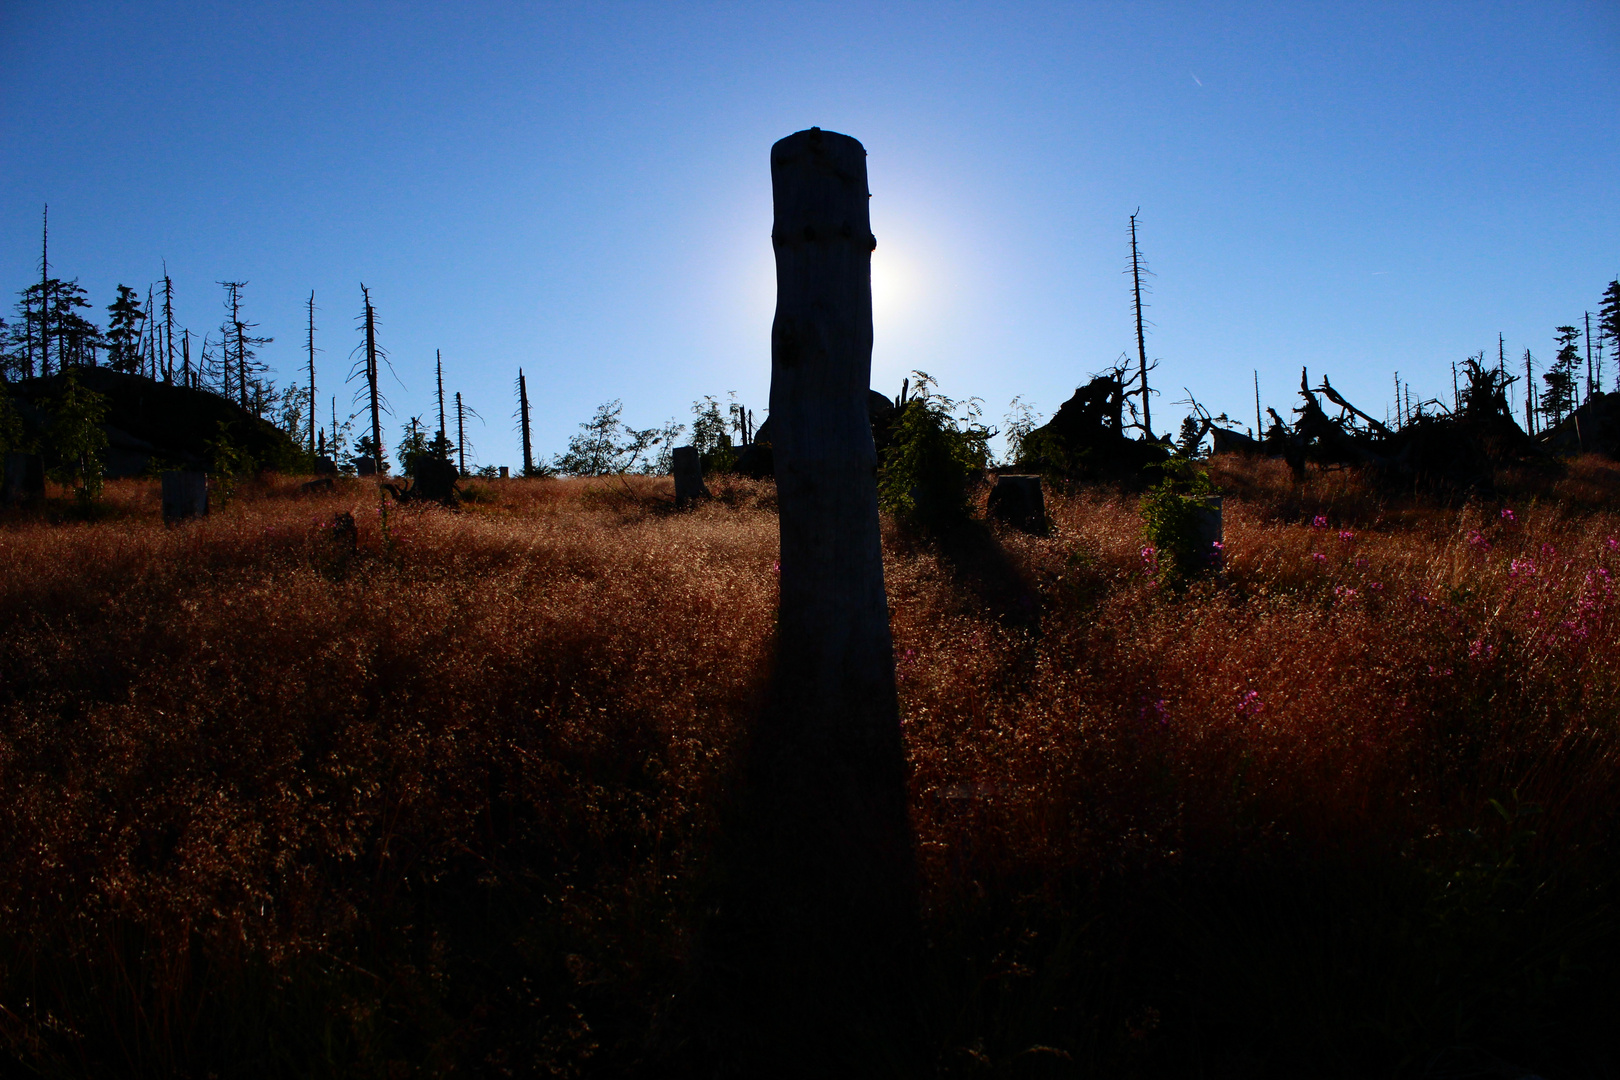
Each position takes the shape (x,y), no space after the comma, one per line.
(310,344)
(1141,337)
(835,642)
(168,326)
(461,436)
(438,378)
(371,381)
(523,414)
(813,930)
(45,292)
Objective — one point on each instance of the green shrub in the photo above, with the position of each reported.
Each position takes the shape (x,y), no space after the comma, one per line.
(77,439)
(1170,513)
(933,459)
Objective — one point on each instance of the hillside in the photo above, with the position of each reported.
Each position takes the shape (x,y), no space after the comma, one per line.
(152,422)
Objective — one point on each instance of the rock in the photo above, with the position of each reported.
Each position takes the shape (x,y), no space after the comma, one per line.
(1019,502)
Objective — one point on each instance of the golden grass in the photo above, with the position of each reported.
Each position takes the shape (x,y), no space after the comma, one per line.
(443,803)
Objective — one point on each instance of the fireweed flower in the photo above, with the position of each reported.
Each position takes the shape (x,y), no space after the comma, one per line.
(1347,536)
(1318,556)
(1522,568)
(1250,704)
(1154,712)
(1319,522)
(1478,650)
(1507,515)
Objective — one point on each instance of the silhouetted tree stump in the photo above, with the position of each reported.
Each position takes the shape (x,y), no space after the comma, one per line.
(687,469)
(1018,501)
(808,951)
(24,478)
(1209,535)
(435,480)
(185,495)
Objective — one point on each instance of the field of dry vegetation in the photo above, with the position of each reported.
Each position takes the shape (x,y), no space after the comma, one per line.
(437,795)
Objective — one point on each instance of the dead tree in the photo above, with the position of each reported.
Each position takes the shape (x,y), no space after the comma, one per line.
(438,377)
(523,420)
(45,292)
(461,436)
(310,345)
(819,900)
(168,325)
(1141,338)
(835,644)
(370,317)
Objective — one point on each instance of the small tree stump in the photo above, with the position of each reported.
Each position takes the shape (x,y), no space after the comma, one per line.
(1018,501)
(436,480)
(365,467)
(687,469)
(325,466)
(1208,533)
(185,495)
(506,473)
(24,478)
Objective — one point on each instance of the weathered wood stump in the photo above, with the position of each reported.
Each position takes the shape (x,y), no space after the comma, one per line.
(24,478)
(812,935)
(687,469)
(325,466)
(1018,501)
(1208,534)
(435,480)
(365,467)
(506,473)
(185,495)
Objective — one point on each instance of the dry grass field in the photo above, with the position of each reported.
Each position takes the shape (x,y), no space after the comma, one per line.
(436,795)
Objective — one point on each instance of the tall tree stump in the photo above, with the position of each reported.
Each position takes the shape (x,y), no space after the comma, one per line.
(834,629)
(810,940)
(185,495)
(687,469)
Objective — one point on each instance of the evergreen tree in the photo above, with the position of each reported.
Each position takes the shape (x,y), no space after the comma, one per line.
(1609,318)
(124,320)
(1559,400)
(76,338)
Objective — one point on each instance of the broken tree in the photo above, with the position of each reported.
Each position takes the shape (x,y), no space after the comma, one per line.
(821,881)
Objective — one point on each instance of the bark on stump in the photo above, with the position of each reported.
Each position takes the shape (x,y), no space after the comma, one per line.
(687,469)
(24,478)
(1019,502)
(1208,535)
(808,952)
(185,495)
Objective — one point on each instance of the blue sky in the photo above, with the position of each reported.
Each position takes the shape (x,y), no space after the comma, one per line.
(584,191)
